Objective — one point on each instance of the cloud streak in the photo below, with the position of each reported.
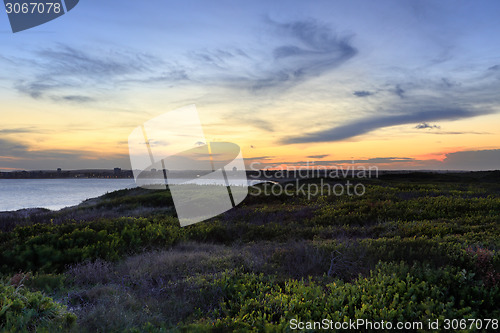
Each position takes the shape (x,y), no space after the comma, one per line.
(298,51)
(318,156)
(19,130)
(64,71)
(313,50)
(472,160)
(399,91)
(369,124)
(64,60)
(362,93)
(426,126)
(16,155)
(76,99)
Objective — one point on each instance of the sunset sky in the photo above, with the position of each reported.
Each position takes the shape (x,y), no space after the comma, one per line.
(396,84)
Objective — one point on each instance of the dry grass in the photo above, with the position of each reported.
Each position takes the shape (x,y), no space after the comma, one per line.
(165,287)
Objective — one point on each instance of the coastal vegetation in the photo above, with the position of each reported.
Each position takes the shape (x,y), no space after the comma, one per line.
(414,247)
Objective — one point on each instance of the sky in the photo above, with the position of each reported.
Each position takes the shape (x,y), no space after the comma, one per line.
(392,84)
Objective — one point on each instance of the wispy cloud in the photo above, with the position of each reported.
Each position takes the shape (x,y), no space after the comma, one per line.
(259,158)
(474,160)
(447,83)
(336,163)
(9,147)
(313,49)
(63,71)
(426,126)
(76,99)
(218,58)
(19,130)
(261,124)
(318,156)
(18,155)
(458,133)
(399,91)
(461,160)
(296,52)
(254,121)
(171,76)
(64,60)
(36,88)
(371,123)
(362,93)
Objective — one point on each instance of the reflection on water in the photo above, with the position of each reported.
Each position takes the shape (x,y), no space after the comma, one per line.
(55,193)
(59,193)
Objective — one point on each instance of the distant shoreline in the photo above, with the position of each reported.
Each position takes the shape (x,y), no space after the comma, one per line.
(118,173)
(64,174)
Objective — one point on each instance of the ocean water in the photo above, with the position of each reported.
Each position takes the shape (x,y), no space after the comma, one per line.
(55,193)
(59,193)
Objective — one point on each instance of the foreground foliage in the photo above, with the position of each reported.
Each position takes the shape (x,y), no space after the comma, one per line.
(420,248)
(22,310)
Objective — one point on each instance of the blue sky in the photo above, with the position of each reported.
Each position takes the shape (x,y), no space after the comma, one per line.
(406,84)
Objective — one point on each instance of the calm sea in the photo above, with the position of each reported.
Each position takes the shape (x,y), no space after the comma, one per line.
(59,193)
(55,193)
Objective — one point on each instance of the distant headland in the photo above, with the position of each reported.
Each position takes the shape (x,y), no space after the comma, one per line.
(59,173)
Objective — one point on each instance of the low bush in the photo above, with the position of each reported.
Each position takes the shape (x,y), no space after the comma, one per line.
(24,311)
(50,248)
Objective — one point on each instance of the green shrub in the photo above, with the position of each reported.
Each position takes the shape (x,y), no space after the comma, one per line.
(391,292)
(25,311)
(50,248)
